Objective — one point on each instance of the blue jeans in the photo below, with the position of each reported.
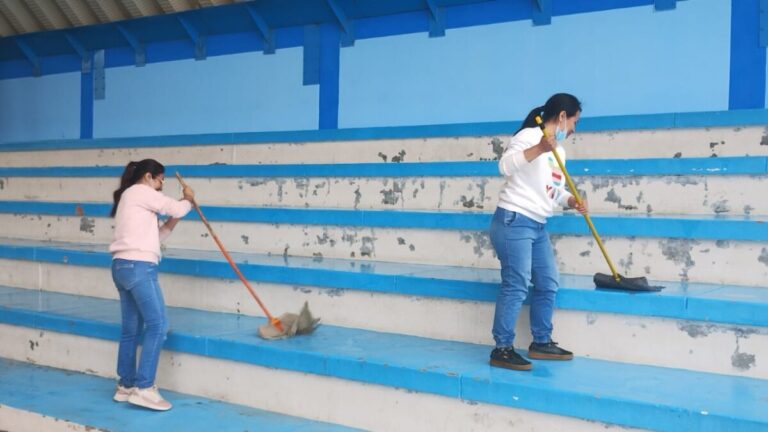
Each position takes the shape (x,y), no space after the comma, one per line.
(141,306)
(526,255)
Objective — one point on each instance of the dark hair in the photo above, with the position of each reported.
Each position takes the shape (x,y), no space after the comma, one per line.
(133,172)
(555,104)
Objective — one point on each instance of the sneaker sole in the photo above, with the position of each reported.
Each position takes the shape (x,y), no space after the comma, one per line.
(120,398)
(541,356)
(140,402)
(511,366)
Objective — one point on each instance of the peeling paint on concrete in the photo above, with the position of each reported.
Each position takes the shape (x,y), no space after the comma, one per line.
(721,206)
(498,147)
(764,141)
(695,330)
(400,157)
(368,248)
(480,239)
(763,258)
(400,241)
(585,253)
(382,156)
(2,184)
(679,252)
(326,239)
(591,318)
(358,195)
(613,197)
(740,360)
(748,209)
(723,244)
(317,257)
(87,224)
(394,195)
(244,238)
(678,155)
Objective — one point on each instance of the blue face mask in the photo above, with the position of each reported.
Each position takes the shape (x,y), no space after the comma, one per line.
(561,134)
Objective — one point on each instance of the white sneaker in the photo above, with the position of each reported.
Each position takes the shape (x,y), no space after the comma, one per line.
(122,393)
(149,398)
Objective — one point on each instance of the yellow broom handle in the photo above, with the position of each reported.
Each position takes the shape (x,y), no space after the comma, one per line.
(577,196)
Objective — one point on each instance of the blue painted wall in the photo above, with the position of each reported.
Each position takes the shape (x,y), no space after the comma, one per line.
(623,61)
(234,93)
(492,65)
(40,108)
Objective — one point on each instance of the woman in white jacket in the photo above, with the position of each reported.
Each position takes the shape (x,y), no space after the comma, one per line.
(534,187)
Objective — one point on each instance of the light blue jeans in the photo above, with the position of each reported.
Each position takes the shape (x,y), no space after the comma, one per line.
(141,306)
(526,255)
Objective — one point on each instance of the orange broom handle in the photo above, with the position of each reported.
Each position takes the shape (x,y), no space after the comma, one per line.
(273,320)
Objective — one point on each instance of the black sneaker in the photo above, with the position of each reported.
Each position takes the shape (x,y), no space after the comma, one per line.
(509,359)
(548,351)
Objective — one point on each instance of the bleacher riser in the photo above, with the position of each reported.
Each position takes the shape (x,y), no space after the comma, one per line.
(707,347)
(403,150)
(667,143)
(689,194)
(367,406)
(696,260)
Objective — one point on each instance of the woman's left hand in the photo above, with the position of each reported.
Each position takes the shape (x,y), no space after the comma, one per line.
(582,208)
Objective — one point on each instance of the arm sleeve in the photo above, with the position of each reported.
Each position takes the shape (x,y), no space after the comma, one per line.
(167,206)
(513,158)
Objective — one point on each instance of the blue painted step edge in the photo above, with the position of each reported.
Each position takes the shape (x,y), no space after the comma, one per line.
(701,227)
(736,305)
(632,395)
(48,391)
(756,117)
(752,165)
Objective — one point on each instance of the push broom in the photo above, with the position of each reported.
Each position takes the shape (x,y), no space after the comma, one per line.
(603,281)
(288,324)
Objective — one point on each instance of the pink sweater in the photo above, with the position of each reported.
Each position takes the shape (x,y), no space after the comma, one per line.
(137,229)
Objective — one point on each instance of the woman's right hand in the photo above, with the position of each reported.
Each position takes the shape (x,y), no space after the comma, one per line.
(547,144)
(189,194)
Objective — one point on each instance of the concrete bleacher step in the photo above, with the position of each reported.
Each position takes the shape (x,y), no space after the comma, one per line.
(437,144)
(687,248)
(39,398)
(721,329)
(629,186)
(597,391)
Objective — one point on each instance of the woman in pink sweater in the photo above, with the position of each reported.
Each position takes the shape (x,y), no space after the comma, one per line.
(135,256)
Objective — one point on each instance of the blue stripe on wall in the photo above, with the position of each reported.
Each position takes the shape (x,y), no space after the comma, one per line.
(748,58)
(748,165)
(757,117)
(704,228)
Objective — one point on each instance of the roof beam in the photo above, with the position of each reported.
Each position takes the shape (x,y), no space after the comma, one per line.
(76,45)
(266,33)
(347,28)
(19,17)
(436,19)
(107,10)
(198,40)
(542,12)
(171,6)
(76,12)
(140,8)
(30,54)
(48,14)
(138,47)
(6,29)
(661,5)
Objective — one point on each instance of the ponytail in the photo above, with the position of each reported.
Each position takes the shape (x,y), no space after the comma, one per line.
(555,105)
(132,173)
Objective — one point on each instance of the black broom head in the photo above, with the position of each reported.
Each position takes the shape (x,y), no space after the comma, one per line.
(606,281)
